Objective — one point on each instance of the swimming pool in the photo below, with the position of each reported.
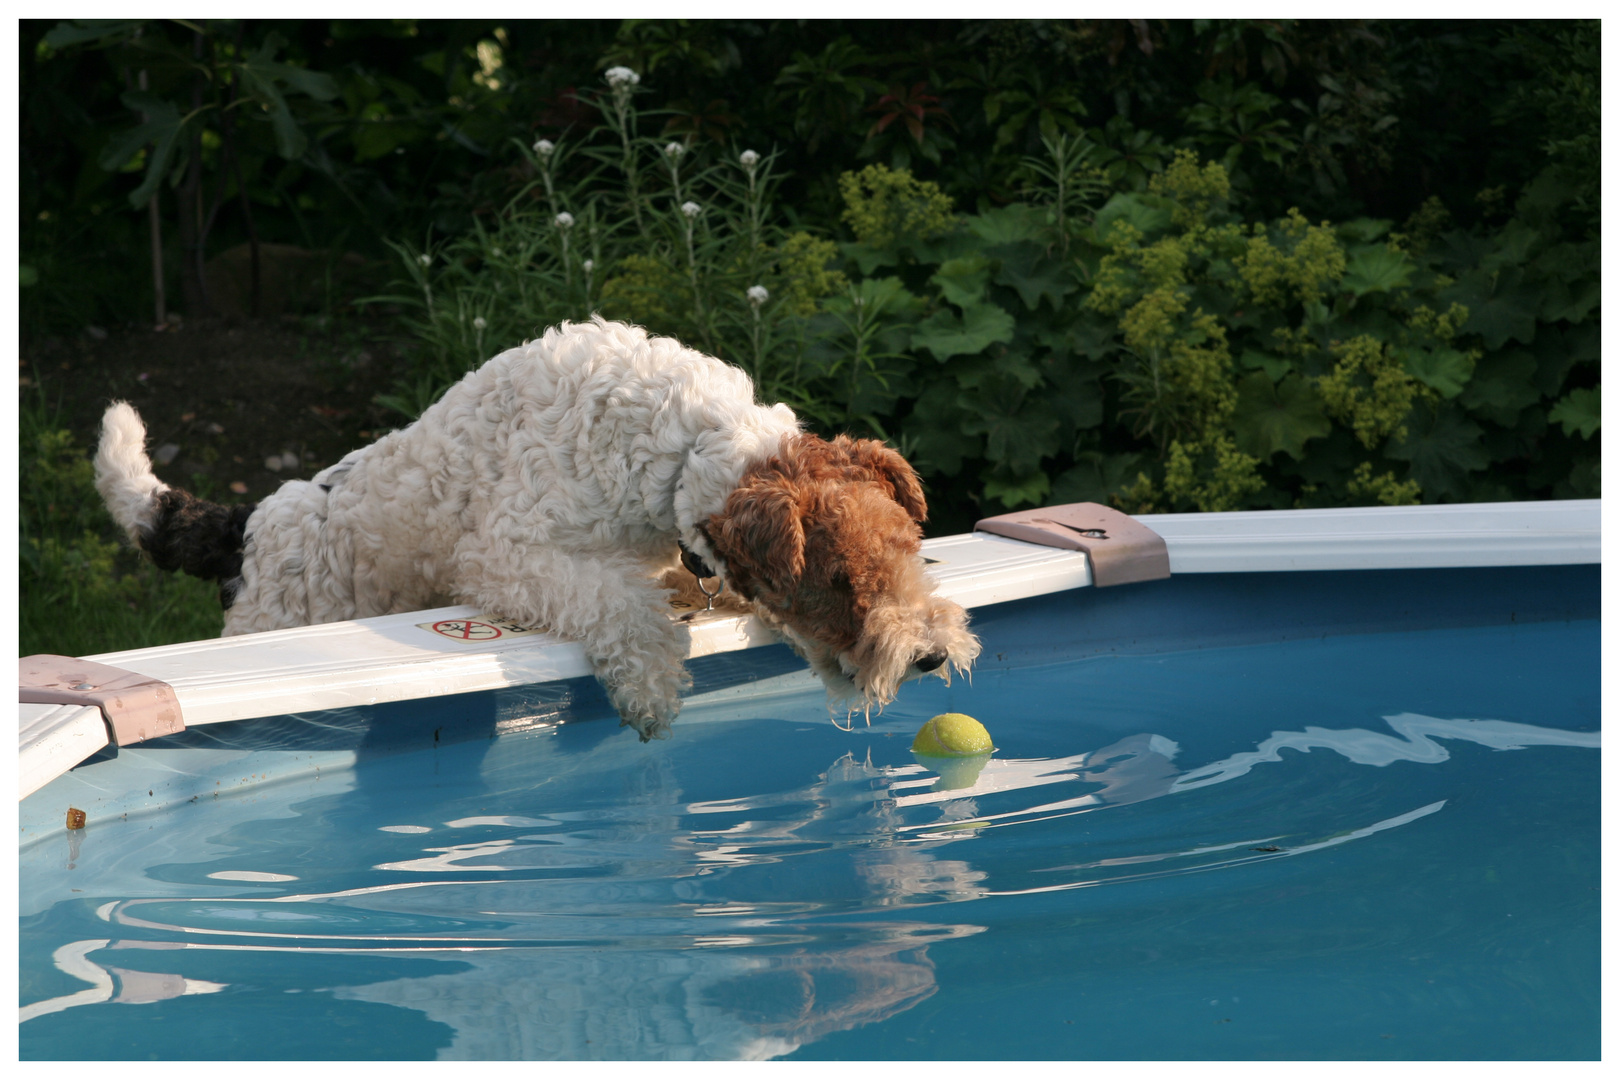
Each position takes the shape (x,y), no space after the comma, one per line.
(1320,814)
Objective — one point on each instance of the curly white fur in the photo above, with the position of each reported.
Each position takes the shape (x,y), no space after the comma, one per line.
(124,473)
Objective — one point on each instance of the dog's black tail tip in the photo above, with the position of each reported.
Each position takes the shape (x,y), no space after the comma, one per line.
(201,538)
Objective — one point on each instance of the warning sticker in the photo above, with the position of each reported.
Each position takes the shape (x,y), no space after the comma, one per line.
(480,630)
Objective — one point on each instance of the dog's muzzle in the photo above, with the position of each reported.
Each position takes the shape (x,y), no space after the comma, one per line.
(930,662)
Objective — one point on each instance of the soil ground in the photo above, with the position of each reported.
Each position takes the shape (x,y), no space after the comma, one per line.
(224,397)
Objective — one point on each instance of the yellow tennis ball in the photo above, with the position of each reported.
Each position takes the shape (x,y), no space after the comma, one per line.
(952,734)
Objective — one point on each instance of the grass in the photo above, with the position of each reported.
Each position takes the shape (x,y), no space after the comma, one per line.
(82,589)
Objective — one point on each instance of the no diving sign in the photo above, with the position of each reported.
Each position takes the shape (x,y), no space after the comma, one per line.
(479,630)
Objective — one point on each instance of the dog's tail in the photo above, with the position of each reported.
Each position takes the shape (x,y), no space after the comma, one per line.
(178,530)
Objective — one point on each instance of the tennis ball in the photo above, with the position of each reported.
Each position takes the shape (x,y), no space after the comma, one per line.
(952,734)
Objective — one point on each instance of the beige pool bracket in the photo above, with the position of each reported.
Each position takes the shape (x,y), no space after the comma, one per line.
(135,706)
(1121,549)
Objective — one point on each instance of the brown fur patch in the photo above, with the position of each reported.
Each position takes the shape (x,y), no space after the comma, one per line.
(821,531)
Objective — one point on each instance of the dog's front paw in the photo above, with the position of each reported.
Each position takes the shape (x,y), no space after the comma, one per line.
(647,727)
(649,706)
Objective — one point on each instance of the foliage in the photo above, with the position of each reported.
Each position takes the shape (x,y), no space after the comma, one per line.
(885,207)
(1161,350)
(1186,358)
(682,239)
(81,591)
(1177,264)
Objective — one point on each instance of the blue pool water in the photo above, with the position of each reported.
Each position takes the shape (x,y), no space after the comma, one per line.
(1378,845)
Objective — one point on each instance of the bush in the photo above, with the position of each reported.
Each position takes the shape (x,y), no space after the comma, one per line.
(1186,359)
(1153,347)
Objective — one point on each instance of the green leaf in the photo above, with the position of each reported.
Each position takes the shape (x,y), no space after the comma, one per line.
(1560,348)
(867,257)
(1329,460)
(962,281)
(1019,429)
(1009,224)
(990,371)
(261,78)
(81,30)
(299,80)
(1543,196)
(952,245)
(27,276)
(946,334)
(1513,246)
(1076,390)
(1504,384)
(1275,366)
(1148,213)
(1362,230)
(1570,303)
(1570,262)
(1446,370)
(315,84)
(1579,411)
(1459,251)
(290,141)
(1015,491)
(1442,447)
(1026,268)
(373,140)
(934,431)
(1090,336)
(887,296)
(1500,307)
(162,129)
(1284,416)
(1377,269)
(1097,477)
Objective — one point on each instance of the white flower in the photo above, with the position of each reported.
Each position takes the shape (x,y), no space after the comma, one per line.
(425,260)
(496,252)
(674,151)
(691,209)
(589,265)
(621,76)
(758,294)
(479,323)
(545,147)
(749,159)
(565,220)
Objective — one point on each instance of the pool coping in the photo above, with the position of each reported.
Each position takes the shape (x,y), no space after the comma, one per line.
(398,657)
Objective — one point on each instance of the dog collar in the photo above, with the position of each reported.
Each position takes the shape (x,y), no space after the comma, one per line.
(694,562)
(700,570)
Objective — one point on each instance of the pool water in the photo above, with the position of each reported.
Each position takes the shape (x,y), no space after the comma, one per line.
(1381,845)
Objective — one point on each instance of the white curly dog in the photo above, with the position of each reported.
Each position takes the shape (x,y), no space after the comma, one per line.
(562,485)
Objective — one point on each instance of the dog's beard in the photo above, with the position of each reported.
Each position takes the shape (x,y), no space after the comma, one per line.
(868,674)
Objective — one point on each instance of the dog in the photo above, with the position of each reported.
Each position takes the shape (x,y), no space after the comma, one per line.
(564,484)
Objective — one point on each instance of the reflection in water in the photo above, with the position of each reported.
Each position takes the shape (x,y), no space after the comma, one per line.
(1415,743)
(653,926)
(122,986)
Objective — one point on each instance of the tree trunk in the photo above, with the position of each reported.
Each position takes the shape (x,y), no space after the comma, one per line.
(160,308)
(189,229)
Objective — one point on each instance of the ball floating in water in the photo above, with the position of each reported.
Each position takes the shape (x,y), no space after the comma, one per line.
(952,734)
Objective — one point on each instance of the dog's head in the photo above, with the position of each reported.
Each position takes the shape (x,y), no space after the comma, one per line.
(824,539)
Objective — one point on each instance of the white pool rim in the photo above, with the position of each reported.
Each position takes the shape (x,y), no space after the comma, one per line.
(399,658)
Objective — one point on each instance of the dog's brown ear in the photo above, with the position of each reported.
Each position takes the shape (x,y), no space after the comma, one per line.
(760,536)
(896,471)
